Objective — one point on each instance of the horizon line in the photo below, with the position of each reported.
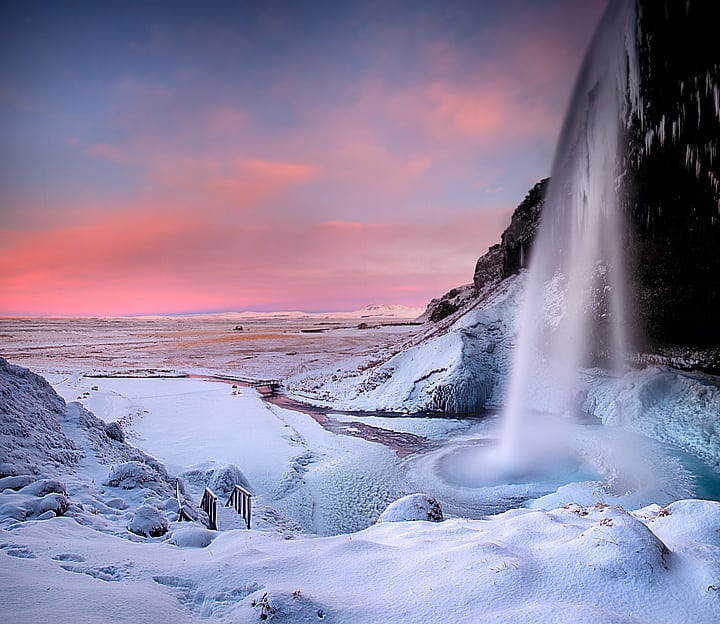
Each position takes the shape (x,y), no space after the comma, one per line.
(189,314)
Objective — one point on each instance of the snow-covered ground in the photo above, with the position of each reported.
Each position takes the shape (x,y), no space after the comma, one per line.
(566,549)
(245,345)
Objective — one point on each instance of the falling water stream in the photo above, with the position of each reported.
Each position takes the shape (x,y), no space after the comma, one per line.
(574,312)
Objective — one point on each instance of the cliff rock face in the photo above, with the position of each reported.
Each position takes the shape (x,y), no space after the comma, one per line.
(673,161)
(452,301)
(513,253)
(517,240)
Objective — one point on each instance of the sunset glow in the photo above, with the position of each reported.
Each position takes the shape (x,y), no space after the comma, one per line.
(269,156)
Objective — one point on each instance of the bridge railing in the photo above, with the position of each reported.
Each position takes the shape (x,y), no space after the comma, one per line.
(182,513)
(273,384)
(241,500)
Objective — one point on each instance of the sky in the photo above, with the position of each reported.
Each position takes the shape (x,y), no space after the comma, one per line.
(171,157)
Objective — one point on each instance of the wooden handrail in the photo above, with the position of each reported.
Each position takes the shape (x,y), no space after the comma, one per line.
(241,500)
(182,514)
(209,505)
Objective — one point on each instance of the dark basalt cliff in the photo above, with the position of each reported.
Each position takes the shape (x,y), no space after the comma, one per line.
(673,163)
(513,252)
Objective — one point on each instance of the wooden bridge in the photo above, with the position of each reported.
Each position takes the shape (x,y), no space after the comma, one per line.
(273,384)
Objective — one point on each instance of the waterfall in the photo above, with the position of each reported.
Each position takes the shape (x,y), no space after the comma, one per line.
(574,312)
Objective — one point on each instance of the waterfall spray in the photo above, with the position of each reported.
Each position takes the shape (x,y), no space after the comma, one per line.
(574,312)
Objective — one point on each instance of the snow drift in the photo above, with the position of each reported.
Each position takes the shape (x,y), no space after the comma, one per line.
(71,546)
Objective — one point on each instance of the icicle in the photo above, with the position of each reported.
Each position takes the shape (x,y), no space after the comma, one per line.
(631,78)
(649,137)
(661,131)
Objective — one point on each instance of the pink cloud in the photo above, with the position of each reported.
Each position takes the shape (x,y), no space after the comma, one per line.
(108,152)
(226,119)
(153,259)
(278,172)
(220,180)
(345,203)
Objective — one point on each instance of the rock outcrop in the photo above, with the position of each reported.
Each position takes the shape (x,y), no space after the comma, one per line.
(500,262)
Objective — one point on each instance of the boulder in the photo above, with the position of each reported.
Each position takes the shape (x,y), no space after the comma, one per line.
(148,521)
(413,507)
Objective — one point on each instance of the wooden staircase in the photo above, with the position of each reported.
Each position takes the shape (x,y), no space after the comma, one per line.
(240,500)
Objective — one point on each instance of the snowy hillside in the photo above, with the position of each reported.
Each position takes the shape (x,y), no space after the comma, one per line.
(457,366)
(55,456)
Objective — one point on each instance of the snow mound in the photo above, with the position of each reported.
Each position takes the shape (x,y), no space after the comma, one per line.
(133,474)
(115,431)
(223,480)
(192,537)
(21,507)
(24,497)
(619,544)
(41,487)
(688,521)
(148,521)
(16,482)
(413,507)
